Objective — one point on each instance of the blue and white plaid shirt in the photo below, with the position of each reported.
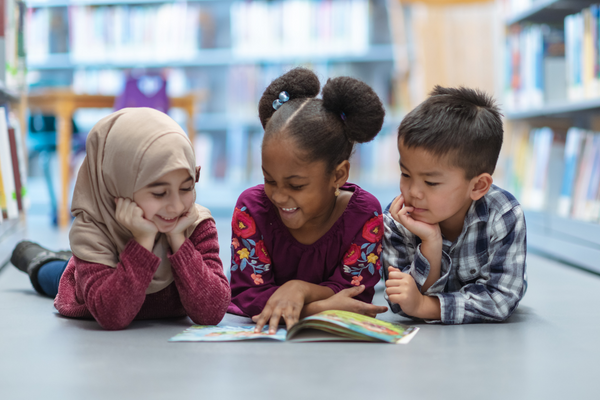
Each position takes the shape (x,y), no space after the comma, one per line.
(482,276)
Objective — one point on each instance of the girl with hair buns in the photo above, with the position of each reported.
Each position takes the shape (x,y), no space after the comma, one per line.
(141,246)
(306,240)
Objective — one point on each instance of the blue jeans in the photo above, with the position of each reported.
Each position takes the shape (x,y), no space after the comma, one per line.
(49,276)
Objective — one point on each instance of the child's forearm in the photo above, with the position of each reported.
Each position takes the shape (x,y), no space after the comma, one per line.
(429,309)
(432,251)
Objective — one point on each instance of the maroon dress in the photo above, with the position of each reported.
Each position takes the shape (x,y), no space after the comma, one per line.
(265,255)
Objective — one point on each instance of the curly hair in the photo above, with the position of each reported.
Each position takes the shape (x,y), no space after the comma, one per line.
(325,129)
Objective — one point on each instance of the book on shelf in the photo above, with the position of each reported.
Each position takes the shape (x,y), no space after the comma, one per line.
(572,155)
(556,174)
(8,201)
(326,326)
(582,49)
(535,66)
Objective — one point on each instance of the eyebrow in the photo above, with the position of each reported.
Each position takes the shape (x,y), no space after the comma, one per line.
(155,184)
(430,174)
(288,177)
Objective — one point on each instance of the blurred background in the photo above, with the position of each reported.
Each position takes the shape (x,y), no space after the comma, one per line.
(68,63)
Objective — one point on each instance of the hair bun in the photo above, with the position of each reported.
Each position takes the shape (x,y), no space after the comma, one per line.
(298,83)
(362,108)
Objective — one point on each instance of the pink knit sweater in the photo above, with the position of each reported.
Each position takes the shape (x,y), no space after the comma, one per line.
(116,296)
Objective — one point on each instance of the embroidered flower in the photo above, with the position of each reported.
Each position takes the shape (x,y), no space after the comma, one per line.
(379,248)
(235,243)
(378,265)
(352,254)
(356,280)
(372,258)
(243,224)
(261,252)
(243,253)
(373,229)
(257,279)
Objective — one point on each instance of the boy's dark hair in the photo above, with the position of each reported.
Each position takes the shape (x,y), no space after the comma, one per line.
(327,129)
(464,123)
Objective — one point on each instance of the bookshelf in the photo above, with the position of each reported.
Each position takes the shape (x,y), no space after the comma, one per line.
(234,49)
(560,233)
(13,197)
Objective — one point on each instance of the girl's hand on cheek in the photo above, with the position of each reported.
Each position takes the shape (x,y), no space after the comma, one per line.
(131,217)
(287,303)
(176,236)
(184,221)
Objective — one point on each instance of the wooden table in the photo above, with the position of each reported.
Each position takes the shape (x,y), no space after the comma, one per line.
(63,103)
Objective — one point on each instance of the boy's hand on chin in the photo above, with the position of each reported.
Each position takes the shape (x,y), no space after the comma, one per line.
(402,290)
(401,213)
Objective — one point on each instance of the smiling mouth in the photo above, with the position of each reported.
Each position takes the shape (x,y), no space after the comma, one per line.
(288,210)
(168,219)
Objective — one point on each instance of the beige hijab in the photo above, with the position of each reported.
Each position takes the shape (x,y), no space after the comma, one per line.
(126,151)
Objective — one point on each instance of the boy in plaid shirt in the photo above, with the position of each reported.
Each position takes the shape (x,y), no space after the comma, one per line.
(454,243)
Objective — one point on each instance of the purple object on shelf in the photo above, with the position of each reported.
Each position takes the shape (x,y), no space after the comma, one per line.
(154,95)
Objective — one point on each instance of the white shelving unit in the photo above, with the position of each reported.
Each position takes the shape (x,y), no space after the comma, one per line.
(573,241)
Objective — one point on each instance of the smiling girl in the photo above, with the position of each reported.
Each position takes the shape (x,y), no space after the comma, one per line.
(141,246)
(306,240)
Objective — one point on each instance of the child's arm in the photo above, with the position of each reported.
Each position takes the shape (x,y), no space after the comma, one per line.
(430,235)
(198,273)
(114,296)
(500,284)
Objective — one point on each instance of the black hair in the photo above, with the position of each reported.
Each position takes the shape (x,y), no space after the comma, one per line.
(461,122)
(324,129)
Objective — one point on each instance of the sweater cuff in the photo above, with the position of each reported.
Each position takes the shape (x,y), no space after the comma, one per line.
(184,255)
(142,256)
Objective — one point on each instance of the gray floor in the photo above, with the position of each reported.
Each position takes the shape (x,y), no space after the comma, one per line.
(547,350)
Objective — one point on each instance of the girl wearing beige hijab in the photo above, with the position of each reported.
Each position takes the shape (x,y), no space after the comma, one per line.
(142,248)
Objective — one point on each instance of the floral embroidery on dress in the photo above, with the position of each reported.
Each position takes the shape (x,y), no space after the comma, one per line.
(359,258)
(373,229)
(250,253)
(243,224)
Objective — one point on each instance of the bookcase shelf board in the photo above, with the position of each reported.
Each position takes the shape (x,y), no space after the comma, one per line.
(566,109)
(549,11)
(564,239)
(216,57)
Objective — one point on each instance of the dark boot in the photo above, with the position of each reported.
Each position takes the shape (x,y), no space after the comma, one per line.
(29,257)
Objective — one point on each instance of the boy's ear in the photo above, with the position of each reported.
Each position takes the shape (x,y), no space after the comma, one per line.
(481,185)
(341,173)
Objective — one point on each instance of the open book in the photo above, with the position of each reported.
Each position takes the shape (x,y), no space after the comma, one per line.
(331,325)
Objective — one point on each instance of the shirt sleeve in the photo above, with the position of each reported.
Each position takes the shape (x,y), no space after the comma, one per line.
(252,278)
(501,284)
(198,274)
(402,250)
(114,296)
(361,264)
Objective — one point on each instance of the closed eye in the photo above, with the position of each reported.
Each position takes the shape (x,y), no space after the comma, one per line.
(431,183)
(187,189)
(297,187)
(159,195)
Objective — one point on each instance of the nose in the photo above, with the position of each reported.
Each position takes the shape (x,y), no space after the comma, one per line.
(415,191)
(175,204)
(279,196)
